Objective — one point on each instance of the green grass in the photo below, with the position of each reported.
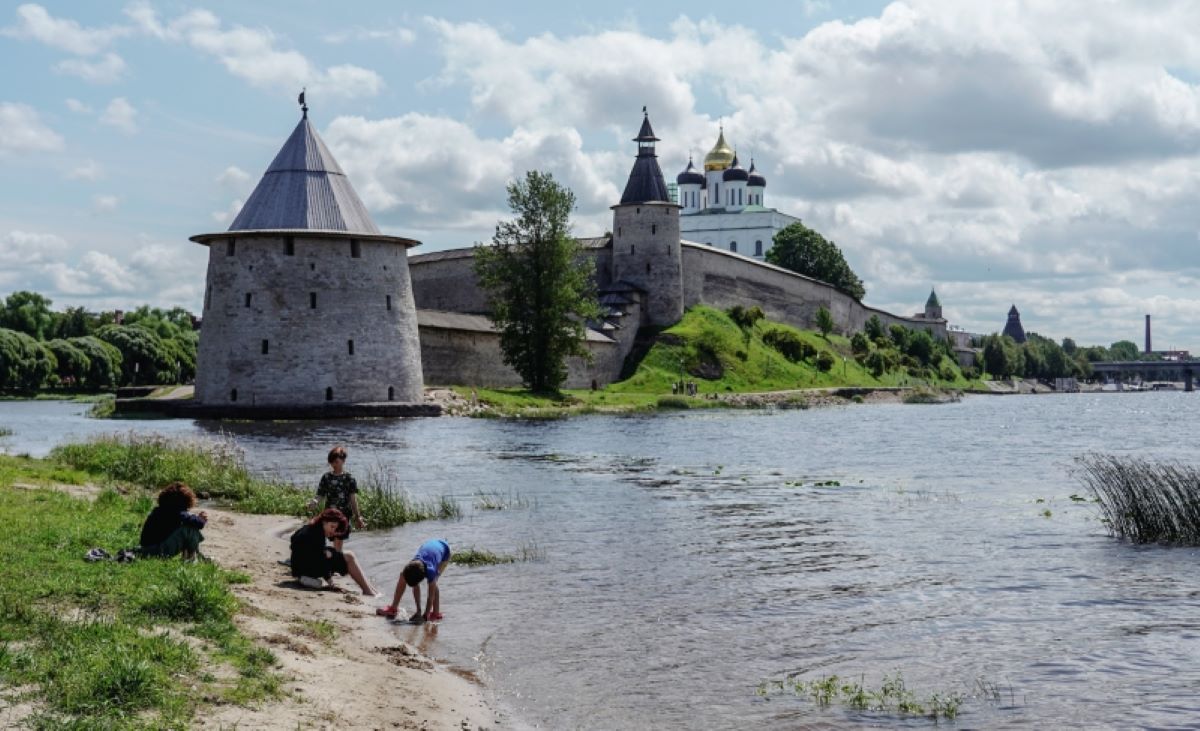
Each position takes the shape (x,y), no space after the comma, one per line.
(100,645)
(217,470)
(496,500)
(472,556)
(317,629)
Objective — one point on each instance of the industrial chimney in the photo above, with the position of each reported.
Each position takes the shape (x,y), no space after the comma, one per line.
(1147,334)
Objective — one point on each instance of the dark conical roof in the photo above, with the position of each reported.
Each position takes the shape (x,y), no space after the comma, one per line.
(755,178)
(1013,328)
(646,182)
(735,171)
(933,299)
(689,176)
(304,188)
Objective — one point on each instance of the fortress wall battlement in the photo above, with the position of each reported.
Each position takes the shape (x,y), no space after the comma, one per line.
(305,319)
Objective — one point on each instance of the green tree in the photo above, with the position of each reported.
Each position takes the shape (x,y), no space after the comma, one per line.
(1068,346)
(824,322)
(873,328)
(860,344)
(145,359)
(539,286)
(72,364)
(804,251)
(1123,350)
(104,369)
(25,364)
(920,345)
(28,312)
(74,322)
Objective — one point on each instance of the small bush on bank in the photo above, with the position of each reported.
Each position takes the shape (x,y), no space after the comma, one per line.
(825,361)
(789,344)
(673,402)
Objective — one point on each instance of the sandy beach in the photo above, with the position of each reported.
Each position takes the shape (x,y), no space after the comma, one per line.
(365,678)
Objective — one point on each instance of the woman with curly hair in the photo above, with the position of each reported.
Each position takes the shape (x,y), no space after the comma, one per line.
(170,529)
(314,563)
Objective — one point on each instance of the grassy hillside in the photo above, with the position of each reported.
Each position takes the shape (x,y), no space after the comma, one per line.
(721,357)
(707,342)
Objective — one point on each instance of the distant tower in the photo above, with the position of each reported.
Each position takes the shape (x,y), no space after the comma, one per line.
(1013,328)
(691,188)
(646,251)
(735,178)
(933,308)
(756,184)
(306,302)
(1148,334)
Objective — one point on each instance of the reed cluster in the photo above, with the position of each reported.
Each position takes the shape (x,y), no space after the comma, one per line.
(1144,501)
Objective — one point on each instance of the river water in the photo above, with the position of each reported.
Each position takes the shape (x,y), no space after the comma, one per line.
(682,559)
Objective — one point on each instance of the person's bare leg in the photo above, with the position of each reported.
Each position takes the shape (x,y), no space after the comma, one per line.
(357,574)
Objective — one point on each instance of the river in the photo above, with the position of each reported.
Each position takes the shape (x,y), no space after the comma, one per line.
(682,559)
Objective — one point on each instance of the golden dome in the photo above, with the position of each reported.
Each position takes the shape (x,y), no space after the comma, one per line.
(720,156)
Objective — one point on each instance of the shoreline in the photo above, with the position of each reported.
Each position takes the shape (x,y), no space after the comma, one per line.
(364,677)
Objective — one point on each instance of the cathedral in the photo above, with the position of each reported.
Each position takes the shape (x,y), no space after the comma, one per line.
(723,206)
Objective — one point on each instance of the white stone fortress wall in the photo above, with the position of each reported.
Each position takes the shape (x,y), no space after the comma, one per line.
(308,318)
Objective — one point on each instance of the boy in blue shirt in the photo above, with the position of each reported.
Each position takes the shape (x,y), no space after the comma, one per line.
(428,565)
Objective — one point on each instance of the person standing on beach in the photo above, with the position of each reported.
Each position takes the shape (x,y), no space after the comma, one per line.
(314,563)
(340,491)
(428,565)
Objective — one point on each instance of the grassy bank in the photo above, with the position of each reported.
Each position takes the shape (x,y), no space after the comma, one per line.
(217,470)
(724,359)
(108,645)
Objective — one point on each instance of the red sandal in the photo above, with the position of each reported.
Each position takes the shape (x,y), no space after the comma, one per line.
(389,612)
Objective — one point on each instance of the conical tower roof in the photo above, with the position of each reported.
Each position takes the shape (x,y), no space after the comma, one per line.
(933,299)
(645,184)
(304,188)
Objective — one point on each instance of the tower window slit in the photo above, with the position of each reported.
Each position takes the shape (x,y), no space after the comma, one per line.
(647,267)
(233,395)
(350,347)
(230,247)
(289,246)
(329,393)
(632,249)
(653,228)
(389,302)
(249,296)
(391,393)
(265,347)
(312,300)
(355,249)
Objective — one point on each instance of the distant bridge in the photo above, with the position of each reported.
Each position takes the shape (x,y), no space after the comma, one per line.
(1151,370)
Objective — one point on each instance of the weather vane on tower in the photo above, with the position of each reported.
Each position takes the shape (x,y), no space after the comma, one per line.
(303,106)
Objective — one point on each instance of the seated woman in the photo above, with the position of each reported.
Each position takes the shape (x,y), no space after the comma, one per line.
(315,563)
(170,530)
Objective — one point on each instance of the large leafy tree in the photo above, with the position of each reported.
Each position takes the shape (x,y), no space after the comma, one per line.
(145,358)
(804,251)
(104,362)
(28,312)
(25,364)
(539,286)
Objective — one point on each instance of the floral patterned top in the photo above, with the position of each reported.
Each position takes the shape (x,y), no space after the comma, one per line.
(337,489)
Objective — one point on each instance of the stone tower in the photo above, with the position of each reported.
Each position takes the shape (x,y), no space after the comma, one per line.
(933,306)
(1013,328)
(646,251)
(307,303)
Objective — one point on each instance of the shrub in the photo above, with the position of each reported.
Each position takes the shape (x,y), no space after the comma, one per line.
(1143,501)
(825,361)
(745,317)
(878,362)
(673,402)
(860,343)
(874,327)
(789,344)
(824,321)
(946,370)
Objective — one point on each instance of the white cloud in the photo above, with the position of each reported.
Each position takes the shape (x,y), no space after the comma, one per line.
(78,107)
(34,22)
(252,54)
(111,273)
(396,36)
(24,247)
(120,114)
(234,178)
(22,130)
(89,170)
(107,70)
(105,203)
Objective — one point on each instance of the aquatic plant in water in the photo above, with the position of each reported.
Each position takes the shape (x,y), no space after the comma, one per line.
(1144,501)
(893,696)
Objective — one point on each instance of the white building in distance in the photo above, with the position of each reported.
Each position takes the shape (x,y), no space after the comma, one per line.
(723,207)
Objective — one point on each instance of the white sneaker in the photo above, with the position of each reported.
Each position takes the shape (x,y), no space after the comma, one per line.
(311,582)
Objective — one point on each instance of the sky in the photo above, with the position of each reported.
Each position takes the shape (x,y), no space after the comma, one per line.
(1038,153)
